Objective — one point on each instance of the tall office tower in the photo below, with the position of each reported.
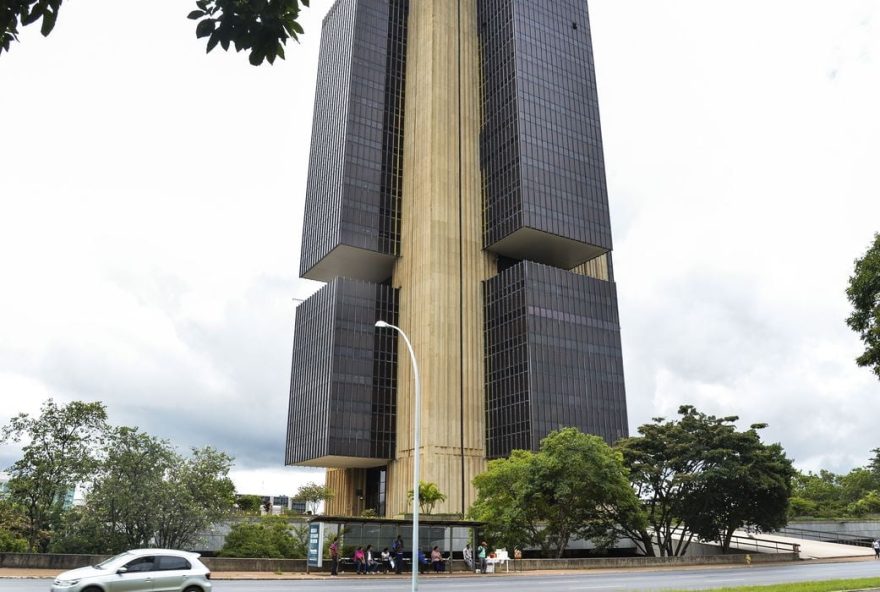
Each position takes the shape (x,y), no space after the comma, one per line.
(457,189)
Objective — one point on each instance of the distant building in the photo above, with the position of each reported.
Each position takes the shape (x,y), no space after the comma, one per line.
(279,503)
(284,502)
(456,188)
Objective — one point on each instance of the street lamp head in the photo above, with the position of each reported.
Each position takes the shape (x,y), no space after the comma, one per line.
(382,324)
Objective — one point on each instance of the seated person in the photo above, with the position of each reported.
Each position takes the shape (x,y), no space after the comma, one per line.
(385,562)
(423,561)
(437,559)
(360,561)
(371,563)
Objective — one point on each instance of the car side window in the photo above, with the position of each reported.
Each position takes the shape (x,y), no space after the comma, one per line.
(140,564)
(169,563)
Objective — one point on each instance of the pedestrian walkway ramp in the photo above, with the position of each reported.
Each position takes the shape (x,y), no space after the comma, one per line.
(809,549)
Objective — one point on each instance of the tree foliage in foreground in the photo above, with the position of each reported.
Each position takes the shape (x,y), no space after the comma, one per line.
(699,476)
(13,528)
(271,537)
(147,494)
(863,293)
(139,490)
(261,27)
(61,450)
(574,486)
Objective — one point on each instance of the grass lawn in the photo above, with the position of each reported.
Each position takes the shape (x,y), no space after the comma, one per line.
(826,586)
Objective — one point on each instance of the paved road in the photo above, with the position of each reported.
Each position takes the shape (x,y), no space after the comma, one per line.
(622,581)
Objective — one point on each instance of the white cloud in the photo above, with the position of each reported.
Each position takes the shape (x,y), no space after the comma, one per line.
(151,204)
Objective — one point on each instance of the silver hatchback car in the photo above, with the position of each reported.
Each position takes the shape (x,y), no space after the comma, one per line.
(156,570)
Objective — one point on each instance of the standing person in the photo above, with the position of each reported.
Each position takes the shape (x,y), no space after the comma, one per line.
(387,563)
(876,546)
(359,561)
(397,551)
(468,556)
(334,556)
(482,551)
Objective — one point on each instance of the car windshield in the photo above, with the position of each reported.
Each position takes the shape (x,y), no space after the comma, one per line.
(107,562)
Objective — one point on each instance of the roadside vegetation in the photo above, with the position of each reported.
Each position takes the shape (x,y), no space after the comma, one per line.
(275,537)
(826,495)
(695,477)
(681,480)
(139,491)
(826,586)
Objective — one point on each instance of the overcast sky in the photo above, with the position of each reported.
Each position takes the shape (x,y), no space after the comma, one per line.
(151,204)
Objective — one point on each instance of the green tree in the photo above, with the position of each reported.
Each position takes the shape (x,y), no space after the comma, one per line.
(828,495)
(122,501)
(574,486)
(13,527)
(198,493)
(147,494)
(874,463)
(429,496)
(746,483)
(272,537)
(261,27)
(61,451)
(699,476)
(313,494)
(249,504)
(863,293)
(663,462)
(816,495)
(502,504)
(857,483)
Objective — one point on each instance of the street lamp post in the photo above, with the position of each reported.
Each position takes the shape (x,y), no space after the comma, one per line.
(416,432)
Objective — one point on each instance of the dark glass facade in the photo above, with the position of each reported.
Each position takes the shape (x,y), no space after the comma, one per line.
(544,189)
(354,180)
(553,357)
(551,336)
(343,377)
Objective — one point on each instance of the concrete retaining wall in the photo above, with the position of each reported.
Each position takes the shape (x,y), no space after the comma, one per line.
(864,528)
(240,564)
(228,564)
(48,560)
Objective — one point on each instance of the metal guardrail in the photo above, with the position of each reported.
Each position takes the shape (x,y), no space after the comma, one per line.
(747,543)
(753,543)
(826,537)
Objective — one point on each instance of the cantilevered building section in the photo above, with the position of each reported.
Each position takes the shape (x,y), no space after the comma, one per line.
(456,189)
(553,357)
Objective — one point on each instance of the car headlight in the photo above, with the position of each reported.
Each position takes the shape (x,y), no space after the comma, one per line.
(66,583)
